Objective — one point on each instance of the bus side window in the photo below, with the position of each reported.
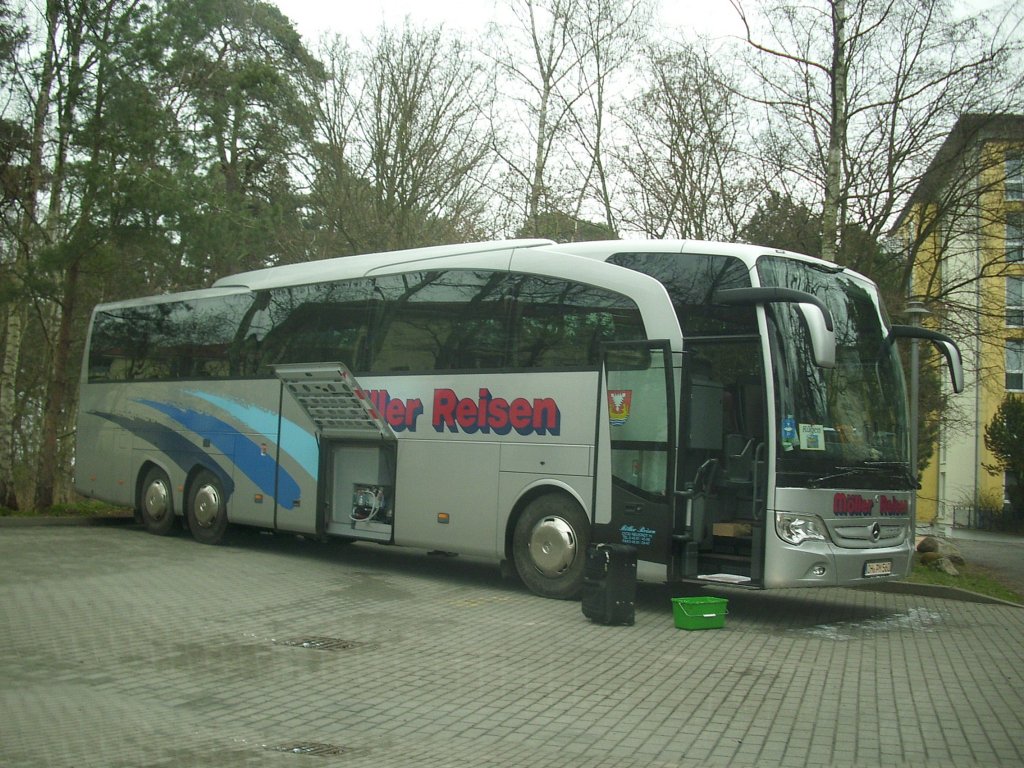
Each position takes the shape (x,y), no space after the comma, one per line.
(432,321)
(320,323)
(407,327)
(562,324)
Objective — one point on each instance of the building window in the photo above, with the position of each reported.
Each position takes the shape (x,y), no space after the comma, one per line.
(1015,176)
(1015,301)
(1015,365)
(1013,493)
(1015,237)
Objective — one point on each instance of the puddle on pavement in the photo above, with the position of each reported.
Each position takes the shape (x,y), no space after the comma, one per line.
(912,620)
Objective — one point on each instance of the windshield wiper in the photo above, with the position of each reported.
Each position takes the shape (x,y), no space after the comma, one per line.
(868,468)
(901,467)
(840,472)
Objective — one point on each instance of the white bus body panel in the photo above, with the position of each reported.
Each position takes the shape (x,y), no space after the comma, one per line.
(450,455)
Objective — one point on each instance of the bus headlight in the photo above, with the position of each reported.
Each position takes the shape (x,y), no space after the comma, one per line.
(796,529)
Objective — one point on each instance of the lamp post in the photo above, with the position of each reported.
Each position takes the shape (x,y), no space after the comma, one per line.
(915,312)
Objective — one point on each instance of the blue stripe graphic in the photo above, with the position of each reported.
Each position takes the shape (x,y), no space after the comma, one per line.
(172,443)
(295,441)
(244,452)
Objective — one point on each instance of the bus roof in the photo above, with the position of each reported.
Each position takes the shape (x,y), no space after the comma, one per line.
(362,265)
(342,267)
(602,249)
(160,298)
(496,254)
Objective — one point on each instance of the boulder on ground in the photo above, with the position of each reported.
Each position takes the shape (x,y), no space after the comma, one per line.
(939,562)
(929,558)
(942,546)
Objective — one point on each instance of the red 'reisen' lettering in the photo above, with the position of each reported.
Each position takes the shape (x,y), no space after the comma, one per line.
(489,414)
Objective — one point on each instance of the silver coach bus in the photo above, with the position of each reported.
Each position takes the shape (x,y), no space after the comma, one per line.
(735,413)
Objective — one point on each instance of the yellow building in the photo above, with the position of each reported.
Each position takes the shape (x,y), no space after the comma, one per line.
(964,227)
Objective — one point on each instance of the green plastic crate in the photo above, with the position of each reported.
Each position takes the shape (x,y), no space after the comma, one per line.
(699,612)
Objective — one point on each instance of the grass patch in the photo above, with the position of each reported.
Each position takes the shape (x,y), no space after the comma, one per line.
(86,508)
(974,578)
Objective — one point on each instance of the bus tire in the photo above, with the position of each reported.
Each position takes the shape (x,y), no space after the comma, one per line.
(207,510)
(549,546)
(156,503)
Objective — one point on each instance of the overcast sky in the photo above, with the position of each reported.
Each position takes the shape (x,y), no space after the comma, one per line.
(356,18)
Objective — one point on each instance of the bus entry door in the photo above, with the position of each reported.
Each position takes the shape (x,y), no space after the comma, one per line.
(636,449)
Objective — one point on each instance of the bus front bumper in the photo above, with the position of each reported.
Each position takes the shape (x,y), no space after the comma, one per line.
(823,564)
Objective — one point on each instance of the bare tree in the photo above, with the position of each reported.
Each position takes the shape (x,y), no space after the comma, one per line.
(423,133)
(339,200)
(405,149)
(565,65)
(860,94)
(607,37)
(541,76)
(688,172)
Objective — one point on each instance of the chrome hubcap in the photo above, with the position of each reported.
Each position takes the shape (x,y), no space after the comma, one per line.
(552,546)
(157,500)
(207,505)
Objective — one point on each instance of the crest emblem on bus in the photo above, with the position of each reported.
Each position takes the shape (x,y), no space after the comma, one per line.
(619,401)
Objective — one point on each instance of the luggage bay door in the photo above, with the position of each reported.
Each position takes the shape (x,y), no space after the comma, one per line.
(357,450)
(634,499)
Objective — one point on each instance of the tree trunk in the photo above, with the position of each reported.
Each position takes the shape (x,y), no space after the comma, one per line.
(8,403)
(836,136)
(537,180)
(57,384)
(57,395)
(28,233)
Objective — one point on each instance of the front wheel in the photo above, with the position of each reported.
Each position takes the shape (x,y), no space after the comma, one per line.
(207,510)
(549,546)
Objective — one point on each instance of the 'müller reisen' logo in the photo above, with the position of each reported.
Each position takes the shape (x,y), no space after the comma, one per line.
(619,401)
(855,505)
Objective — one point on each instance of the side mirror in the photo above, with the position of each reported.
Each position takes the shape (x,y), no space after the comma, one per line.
(815,313)
(942,342)
(823,337)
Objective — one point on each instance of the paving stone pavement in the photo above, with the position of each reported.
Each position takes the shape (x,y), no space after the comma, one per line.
(118,648)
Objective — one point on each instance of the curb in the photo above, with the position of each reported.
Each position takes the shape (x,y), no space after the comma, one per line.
(937,590)
(68,521)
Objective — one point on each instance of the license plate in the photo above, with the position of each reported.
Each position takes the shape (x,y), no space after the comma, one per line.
(878,568)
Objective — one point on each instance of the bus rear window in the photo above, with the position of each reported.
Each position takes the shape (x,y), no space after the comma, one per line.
(190,339)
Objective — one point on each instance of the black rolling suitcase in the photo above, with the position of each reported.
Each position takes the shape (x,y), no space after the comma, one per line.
(609,584)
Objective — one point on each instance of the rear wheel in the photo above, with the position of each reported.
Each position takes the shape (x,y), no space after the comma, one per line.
(157,502)
(207,511)
(549,545)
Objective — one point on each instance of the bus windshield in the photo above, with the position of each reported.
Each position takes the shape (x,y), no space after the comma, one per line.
(844,427)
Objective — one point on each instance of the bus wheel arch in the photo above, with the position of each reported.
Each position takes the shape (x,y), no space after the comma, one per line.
(154,499)
(546,540)
(206,509)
